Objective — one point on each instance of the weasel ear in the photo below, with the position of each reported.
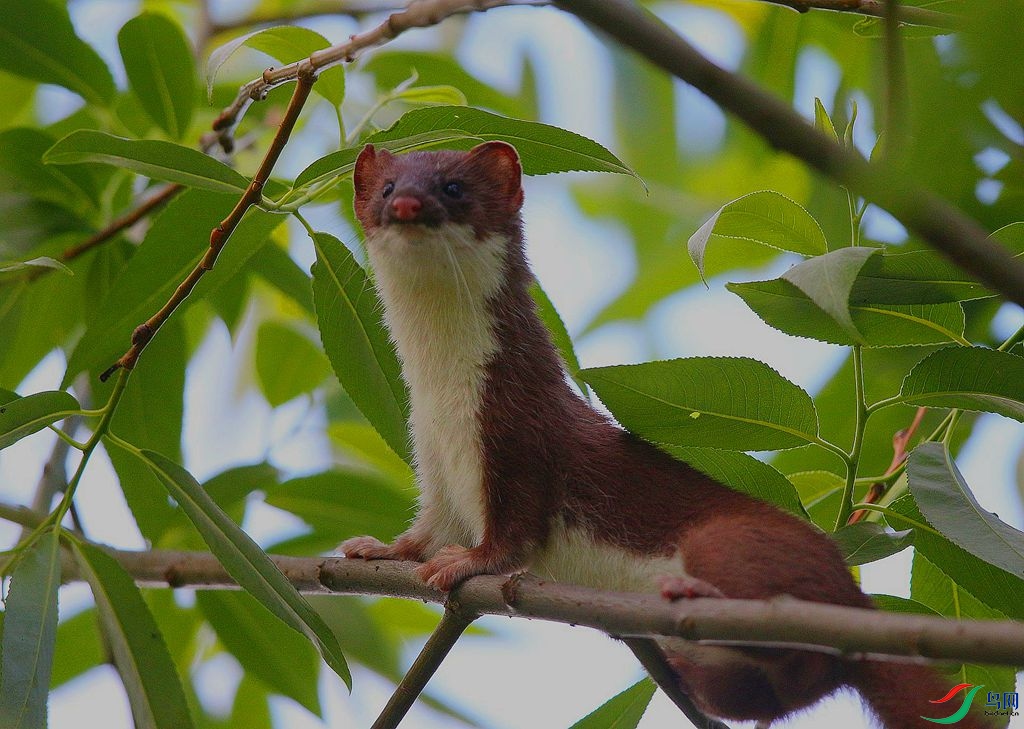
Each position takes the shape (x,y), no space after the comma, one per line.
(365,175)
(502,161)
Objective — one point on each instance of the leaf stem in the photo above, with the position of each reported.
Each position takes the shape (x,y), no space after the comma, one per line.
(853,458)
(1012,340)
(67,438)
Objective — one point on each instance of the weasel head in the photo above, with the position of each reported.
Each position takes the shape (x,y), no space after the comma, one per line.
(420,192)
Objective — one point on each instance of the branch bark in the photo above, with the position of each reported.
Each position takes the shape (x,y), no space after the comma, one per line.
(855,633)
(940,224)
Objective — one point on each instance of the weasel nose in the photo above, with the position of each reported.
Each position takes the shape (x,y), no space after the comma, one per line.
(406,208)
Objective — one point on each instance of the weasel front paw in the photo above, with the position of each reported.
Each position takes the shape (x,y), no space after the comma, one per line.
(674,587)
(452,565)
(373,548)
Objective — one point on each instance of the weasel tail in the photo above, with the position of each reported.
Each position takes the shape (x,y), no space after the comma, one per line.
(517,472)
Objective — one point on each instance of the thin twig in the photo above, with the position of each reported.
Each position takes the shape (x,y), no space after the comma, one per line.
(419,14)
(937,222)
(895,129)
(907,15)
(453,624)
(220,234)
(854,633)
(653,660)
(900,441)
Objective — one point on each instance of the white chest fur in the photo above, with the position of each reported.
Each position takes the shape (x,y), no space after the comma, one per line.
(436,288)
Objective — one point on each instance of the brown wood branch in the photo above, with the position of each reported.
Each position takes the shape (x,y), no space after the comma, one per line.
(855,633)
(906,14)
(220,234)
(418,14)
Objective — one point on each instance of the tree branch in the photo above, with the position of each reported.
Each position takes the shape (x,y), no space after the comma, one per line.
(907,15)
(219,235)
(419,14)
(855,633)
(940,224)
(453,624)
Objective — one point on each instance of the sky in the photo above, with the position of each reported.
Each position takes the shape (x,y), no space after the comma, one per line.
(531,674)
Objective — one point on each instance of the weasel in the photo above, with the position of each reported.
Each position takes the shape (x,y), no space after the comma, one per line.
(517,471)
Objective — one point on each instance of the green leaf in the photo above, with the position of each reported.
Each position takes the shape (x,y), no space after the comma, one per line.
(285,43)
(622,711)
(821,494)
(37,41)
(867,541)
(932,588)
(287,362)
(827,281)
(267,649)
(175,243)
(276,267)
(245,561)
(161,72)
(363,357)
(22,172)
(782,305)
(947,503)
(968,378)
(30,631)
(893,604)
(38,262)
(27,415)
(543,149)
(441,94)
(914,277)
(992,585)
(764,217)
(79,647)
(704,401)
(362,442)
(743,472)
(153,158)
(823,122)
(345,502)
(150,679)
(559,334)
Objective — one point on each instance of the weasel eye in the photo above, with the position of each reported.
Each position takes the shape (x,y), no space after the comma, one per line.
(388,189)
(453,189)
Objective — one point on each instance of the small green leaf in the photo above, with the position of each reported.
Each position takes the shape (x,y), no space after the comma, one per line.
(821,494)
(622,711)
(38,262)
(867,541)
(245,561)
(743,472)
(30,631)
(267,649)
(827,281)
(288,363)
(764,217)
(23,172)
(284,43)
(79,647)
(364,360)
(276,267)
(27,415)
(782,305)
(823,122)
(150,157)
(656,400)
(441,94)
(38,41)
(345,502)
(543,149)
(947,503)
(160,69)
(968,378)
(140,653)
(559,334)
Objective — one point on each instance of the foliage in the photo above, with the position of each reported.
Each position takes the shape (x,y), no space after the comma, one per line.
(916,330)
